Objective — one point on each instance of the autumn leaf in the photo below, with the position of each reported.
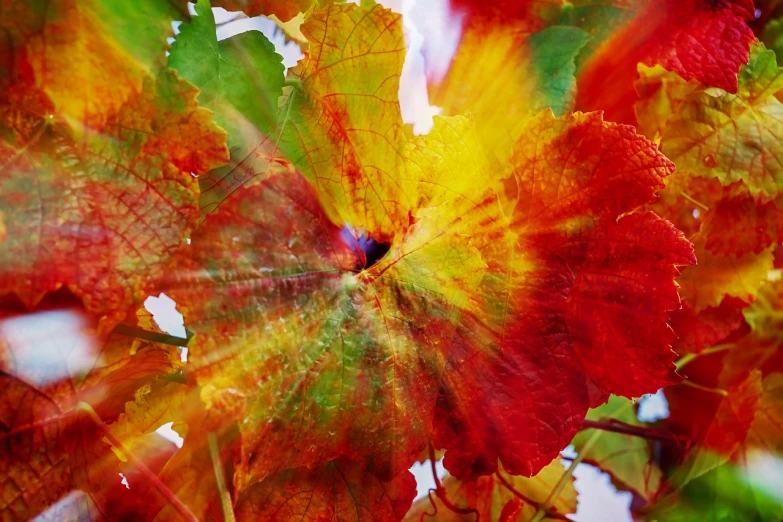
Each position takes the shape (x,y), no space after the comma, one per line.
(733,137)
(697,39)
(762,315)
(338,489)
(718,276)
(50,365)
(84,212)
(661,93)
(106,47)
(499,495)
(335,335)
(739,224)
(765,432)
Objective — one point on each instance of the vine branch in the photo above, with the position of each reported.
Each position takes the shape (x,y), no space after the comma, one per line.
(440,492)
(617,426)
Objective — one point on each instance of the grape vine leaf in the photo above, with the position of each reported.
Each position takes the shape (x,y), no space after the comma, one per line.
(84,211)
(739,224)
(660,94)
(718,276)
(111,46)
(733,137)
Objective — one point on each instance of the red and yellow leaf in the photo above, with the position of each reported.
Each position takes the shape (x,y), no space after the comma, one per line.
(86,212)
(541,319)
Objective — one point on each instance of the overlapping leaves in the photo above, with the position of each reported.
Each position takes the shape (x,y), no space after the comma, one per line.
(358,293)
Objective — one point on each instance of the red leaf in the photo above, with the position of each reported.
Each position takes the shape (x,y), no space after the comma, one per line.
(617,307)
(576,175)
(706,40)
(696,331)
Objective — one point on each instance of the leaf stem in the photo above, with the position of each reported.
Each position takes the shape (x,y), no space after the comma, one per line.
(225,496)
(176,503)
(155,337)
(688,357)
(440,492)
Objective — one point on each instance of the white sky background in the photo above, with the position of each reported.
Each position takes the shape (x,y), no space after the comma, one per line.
(599,501)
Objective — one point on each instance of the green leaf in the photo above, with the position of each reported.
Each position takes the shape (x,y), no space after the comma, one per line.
(726,494)
(553,52)
(239,77)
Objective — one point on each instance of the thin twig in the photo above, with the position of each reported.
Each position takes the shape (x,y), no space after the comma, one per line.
(217,467)
(616,426)
(176,503)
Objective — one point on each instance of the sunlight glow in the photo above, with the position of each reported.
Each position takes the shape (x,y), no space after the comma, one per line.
(49,346)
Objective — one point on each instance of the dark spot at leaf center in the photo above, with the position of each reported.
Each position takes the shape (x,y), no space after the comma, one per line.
(371,250)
